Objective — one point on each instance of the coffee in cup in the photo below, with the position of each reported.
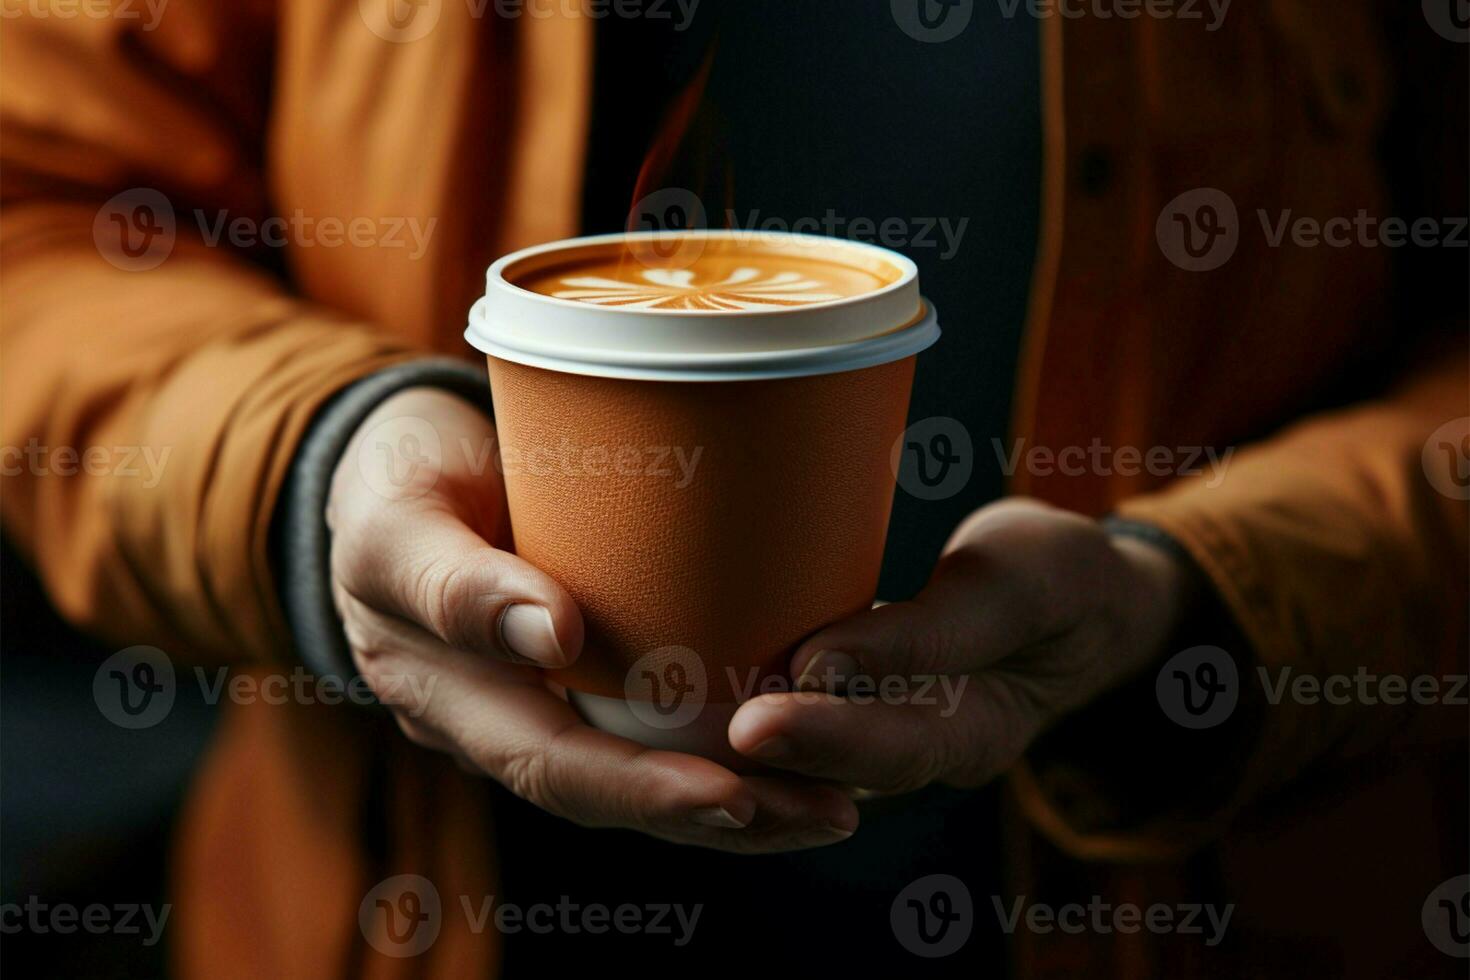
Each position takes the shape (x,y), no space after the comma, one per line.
(695,429)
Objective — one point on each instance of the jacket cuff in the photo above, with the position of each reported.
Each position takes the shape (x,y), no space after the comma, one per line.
(302,541)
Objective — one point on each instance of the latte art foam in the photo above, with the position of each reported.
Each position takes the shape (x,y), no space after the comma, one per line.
(746,288)
(713,276)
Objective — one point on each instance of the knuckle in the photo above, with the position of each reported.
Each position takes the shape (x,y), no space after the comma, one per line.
(449,595)
(528,775)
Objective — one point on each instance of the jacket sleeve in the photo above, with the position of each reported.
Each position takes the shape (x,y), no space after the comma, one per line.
(156,384)
(1336,549)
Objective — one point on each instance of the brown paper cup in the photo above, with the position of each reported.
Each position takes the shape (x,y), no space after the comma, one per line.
(706,515)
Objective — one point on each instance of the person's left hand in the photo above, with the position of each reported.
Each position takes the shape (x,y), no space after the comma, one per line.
(1031,613)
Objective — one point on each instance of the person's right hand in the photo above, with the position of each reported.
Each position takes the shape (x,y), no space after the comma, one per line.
(431,606)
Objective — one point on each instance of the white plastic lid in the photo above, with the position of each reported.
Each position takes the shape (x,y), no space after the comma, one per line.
(619,332)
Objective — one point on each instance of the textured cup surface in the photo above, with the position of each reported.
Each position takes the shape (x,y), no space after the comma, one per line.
(723,522)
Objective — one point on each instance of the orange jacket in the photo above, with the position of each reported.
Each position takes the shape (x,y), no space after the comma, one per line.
(1327,538)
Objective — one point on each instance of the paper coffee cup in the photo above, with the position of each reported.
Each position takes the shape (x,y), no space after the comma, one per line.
(695,432)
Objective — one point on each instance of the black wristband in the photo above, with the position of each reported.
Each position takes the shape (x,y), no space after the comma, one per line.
(1123,528)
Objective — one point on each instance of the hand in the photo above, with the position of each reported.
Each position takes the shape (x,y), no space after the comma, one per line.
(431,606)
(1031,612)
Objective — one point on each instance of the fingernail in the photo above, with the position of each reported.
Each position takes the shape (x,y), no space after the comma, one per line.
(717,816)
(772,749)
(830,834)
(829,670)
(526,631)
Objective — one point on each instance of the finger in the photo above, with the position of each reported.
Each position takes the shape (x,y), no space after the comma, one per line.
(427,566)
(510,726)
(964,620)
(981,606)
(965,739)
(791,814)
(1013,574)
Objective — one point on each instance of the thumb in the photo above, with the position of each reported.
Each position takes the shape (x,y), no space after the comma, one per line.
(963,621)
(428,567)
